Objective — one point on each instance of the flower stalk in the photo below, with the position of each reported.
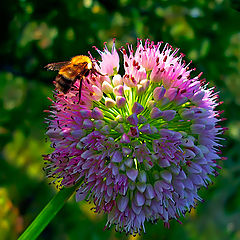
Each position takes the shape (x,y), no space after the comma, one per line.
(47,214)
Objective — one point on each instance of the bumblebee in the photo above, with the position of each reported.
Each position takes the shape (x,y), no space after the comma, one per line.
(69,72)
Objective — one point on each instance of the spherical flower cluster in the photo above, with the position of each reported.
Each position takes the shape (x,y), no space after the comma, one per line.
(141,144)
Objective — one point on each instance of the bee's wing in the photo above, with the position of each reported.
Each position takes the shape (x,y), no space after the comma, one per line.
(56,66)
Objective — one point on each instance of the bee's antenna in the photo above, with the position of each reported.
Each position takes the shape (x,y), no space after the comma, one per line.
(80,90)
(92,58)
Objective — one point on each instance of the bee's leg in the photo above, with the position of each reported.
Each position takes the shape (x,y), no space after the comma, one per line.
(80,90)
(73,86)
(95,72)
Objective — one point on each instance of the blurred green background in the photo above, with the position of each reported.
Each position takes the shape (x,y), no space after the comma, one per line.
(35,33)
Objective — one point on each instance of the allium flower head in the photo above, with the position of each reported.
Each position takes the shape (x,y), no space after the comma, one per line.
(142,143)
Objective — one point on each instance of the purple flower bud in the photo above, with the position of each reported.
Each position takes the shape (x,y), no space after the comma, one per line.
(137,108)
(167,176)
(187,142)
(110,103)
(54,133)
(107,87)
(126,151)
(168,115)
(156,113)
(85,113)
(158,93)
(142,177)
(189,154)
(119,128)
(197,128)
(132,174)
(141,187)
(172,93)
(133,119)
(121,101)
(122,203)
(105,130)
(187,114)
(97,113)
(125,139)
(181,101)
(117,157)
(197,97)
(78,133)
(117,80)
(200,112)
(142,119)
(128,162)
(99,124)
(87,124)
(149,194)
(146,129)
(118,90)
(139,199)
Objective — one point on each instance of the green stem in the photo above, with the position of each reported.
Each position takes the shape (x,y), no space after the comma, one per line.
(47,214)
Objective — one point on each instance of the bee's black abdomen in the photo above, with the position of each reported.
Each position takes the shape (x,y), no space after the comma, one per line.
(63,84)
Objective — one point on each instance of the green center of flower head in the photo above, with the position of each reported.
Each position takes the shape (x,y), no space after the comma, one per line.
(141,113)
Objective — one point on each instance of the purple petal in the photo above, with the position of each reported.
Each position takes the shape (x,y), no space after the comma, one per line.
(197,97)
(139,199)
(81,195)
(149,193)
(122,203)
(117,157)
(136,209)
(197,128)
(172,93)
(120,101)
(132,174)
(115,170)
(137,108)
(126,151)
(99,124)
(87,124)
(167,176)
(132,119)
(146,129)
(142,177)
(168,115)
(158,93)
(85,113)
(118,90)
(156,113)
(141,187)
(97,113)
(125,139)
(128,162)
(142,119)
